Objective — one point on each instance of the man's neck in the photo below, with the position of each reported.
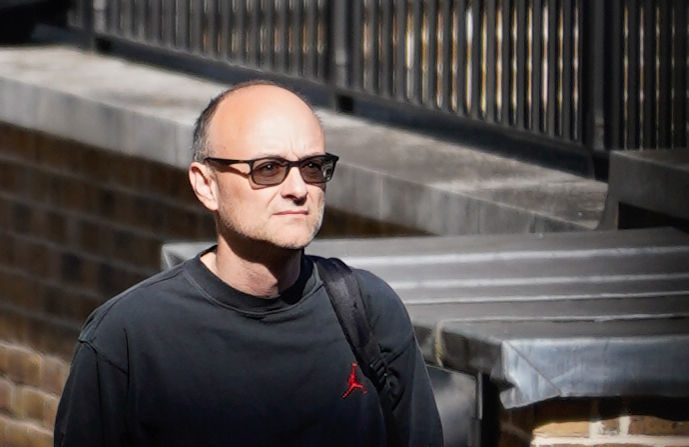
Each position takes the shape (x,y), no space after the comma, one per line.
(265,275)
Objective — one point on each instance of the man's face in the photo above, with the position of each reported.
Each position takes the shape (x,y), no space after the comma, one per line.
(258,122)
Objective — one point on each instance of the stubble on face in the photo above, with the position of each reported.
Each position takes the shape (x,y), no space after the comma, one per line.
(233,227)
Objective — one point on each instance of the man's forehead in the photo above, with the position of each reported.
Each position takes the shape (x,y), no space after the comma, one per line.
(263,107)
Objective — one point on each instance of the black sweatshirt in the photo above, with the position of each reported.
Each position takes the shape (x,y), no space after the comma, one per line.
(183,359)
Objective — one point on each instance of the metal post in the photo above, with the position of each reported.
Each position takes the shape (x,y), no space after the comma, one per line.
(339,54)
(593,67)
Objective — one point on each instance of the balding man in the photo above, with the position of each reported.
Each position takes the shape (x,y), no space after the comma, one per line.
(240,346)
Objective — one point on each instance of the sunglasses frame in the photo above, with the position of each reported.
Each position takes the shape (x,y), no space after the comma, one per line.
(283,162)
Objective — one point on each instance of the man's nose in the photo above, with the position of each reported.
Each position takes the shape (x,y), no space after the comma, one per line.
(294,185)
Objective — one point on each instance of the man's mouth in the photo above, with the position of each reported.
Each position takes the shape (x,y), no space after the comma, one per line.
(292,212)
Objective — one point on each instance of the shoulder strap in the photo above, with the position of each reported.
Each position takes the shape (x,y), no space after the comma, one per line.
(345,297)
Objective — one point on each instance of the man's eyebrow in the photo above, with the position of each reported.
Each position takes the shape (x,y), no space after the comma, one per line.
(274,155)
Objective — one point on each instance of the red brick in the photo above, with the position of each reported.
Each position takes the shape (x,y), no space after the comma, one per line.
(16,433)
(651,425)
(4,354)
(29,403)
(6,393)
(608,412)
(54,373)
(9,176)
(50,411)
(24,366)
(56,225)
(22,434)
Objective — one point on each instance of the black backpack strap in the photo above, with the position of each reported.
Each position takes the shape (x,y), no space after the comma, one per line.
(345,297)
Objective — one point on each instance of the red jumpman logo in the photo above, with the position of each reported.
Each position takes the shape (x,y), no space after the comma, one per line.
(353,383)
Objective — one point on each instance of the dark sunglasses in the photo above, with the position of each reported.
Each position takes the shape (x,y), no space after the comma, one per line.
(272,171)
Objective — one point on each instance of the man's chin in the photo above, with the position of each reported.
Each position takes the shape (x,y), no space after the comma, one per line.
(297,241)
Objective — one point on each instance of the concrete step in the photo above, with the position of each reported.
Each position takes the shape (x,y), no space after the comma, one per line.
(385,173)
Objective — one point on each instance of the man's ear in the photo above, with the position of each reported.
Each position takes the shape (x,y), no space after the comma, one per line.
(202,181)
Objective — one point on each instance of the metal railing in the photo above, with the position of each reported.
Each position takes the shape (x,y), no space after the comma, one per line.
(583,74)
(648,67)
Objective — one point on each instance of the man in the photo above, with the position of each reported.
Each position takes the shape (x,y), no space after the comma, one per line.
(240,346)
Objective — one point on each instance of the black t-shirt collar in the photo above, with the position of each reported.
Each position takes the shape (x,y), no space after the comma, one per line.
(224,293)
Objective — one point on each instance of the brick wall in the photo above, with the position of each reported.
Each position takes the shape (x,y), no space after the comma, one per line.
(643,422)
(79,225)
(30,386)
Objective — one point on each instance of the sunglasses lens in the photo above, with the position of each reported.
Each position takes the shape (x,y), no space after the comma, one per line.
(269,172)
(317,169)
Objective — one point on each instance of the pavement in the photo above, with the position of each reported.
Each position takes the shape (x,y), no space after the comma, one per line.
(397,176)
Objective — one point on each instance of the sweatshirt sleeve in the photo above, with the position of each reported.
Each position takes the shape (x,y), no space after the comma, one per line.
(415,408)
(91,410)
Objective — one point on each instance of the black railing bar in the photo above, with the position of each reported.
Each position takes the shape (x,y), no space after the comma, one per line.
(372,68)
(224,42)
(537,56)
(169,23)
(269,52)
(254,35)
(240,21)
(446,56)
(85,23)
(214,26)
(583,131)
(154,18)
(520,72)
(356,58)
(338,48)
(387,49)
(323,48)
(552,73)
(139,19)
(476,59)
(430,98)
(128,25)
(462,60)
(133,19)
(284,41)
(680,106)
(311,68)
(649,73)
(417,65)
(664,75)
(491,23)
(567,68)
(633,86)
(113,7)
(183,41)
(401,51)
(195,19)
(297,30)
(124,18)
(506,56)
(431,87)
(145,19)
(614,80)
